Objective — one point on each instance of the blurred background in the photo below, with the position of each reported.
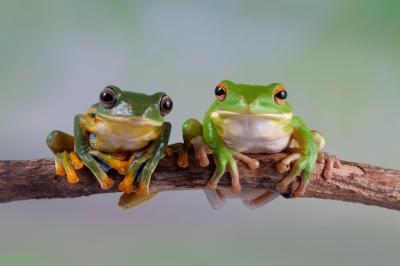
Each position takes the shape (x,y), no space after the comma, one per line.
(340,61)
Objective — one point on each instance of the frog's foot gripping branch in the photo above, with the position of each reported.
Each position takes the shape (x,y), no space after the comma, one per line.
(290,163)
(201,152)
(66,163)
(66,160)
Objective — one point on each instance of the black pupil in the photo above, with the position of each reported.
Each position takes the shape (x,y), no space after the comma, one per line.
(281,95)
(219,91)
(107,97)
(168,104)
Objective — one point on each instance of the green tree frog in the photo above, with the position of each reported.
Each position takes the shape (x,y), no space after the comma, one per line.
(252,119)
(124,131)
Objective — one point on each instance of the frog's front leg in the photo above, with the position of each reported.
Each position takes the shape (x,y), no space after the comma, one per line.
(157,151)
(82,125)
(305,158)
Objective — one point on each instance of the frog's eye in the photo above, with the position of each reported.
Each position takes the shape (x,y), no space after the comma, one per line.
(108,97)
(166,105)
(220,92)
(280,95)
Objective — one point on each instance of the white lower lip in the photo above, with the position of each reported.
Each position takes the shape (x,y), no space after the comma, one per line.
(265,115)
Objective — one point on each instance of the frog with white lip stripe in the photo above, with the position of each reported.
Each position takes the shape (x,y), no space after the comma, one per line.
(252,119)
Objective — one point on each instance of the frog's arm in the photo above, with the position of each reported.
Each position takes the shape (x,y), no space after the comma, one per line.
(305,164)
(157,152)
(82,148)
(304,137)
(223,156)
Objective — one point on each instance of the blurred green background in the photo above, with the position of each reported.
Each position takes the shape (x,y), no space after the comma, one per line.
(340,61)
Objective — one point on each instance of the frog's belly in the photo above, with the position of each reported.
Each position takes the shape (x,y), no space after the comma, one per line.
(110,143)
(249,135)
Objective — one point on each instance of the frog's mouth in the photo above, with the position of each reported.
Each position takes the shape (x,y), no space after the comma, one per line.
(272,116)
(131,120)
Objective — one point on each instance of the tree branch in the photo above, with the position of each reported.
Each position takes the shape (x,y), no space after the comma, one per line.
(354,182)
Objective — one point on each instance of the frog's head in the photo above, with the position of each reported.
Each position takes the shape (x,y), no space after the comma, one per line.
(116,104)
(267,101)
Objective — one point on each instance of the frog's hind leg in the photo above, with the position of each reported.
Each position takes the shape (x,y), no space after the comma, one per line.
(331,161)
(192,131)
(134,165)
(66,161)
(130,198)
(111,161)
(157,152)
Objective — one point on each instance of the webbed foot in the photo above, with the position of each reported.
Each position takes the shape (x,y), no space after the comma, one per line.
(66,163)
(304,165)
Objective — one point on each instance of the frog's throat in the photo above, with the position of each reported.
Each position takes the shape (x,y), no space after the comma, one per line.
(136,120)
(282,116)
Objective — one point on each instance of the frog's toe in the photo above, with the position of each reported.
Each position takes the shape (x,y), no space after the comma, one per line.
(282,186)
(59,168)
(251,162)
(183,159)
(106,183)
(76,162)
(299,191)
(72,177)
(125,187)
(64,161)
(233,170)
(284,165)
(331,163)
(236,188)
(212,185)
(127,184)
(282,168)
(200,151)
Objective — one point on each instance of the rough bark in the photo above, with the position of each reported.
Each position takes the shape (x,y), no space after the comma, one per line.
(354,182)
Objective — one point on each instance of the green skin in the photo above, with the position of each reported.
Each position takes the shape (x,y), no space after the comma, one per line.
(134,126)
(257,106)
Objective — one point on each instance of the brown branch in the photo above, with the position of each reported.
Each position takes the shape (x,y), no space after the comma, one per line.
(354,182)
